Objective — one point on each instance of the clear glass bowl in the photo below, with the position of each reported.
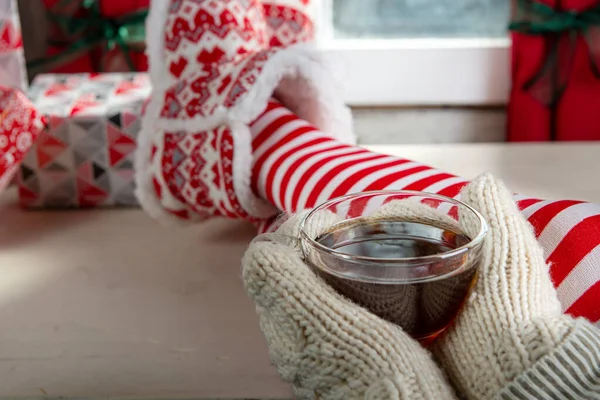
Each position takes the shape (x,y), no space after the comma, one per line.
(409,257)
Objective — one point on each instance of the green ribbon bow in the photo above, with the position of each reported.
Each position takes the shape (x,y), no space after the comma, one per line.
(560,30)
(96,30)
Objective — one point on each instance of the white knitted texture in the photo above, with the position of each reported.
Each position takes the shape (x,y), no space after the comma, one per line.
(571,371)
(509,342)
(326,346)
(513,317)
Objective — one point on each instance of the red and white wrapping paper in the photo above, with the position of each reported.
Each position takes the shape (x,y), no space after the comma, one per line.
(84,158)
(20,124)
(12,61)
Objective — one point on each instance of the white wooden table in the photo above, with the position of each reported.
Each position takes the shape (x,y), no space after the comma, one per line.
(108,303)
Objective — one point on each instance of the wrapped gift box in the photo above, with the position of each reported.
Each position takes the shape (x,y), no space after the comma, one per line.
(12,62)
(84,36)
(84,157)
(555,91)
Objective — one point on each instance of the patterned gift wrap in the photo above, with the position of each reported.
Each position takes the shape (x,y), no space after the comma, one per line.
(20,124)
(84,157)
(12,61)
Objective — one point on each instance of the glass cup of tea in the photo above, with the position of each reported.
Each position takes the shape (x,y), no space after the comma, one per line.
(409,257)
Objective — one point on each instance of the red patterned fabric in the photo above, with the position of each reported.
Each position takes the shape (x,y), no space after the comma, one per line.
(20,124)
(12,61)
(195,178)
(10,36)
(288,22)
(230,41)
(297,167)
(215,65)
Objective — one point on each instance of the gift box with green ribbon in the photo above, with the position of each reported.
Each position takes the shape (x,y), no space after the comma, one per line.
(85,36)
(555,71)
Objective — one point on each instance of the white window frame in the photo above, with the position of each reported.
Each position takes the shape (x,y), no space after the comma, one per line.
(415,72)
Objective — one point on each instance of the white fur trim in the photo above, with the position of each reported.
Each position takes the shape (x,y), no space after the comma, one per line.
(298,76)
(155,43)
(155,23)
(143,169)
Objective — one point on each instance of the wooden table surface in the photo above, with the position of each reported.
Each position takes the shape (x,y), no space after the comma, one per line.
(108,303)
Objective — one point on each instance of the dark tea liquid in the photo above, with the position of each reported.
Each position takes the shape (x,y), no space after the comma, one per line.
(422,309)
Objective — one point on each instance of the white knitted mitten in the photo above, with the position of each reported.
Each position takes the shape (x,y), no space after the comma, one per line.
(512,325)
(328,347)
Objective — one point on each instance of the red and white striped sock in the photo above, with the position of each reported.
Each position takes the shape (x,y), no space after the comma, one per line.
(297,167)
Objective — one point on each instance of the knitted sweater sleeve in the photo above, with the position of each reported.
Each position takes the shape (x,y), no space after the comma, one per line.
(571,371)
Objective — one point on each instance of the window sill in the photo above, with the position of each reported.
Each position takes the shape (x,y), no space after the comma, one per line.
(429,125)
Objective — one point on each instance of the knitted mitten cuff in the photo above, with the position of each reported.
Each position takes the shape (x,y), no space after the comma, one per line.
(570,371)
(214,65)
